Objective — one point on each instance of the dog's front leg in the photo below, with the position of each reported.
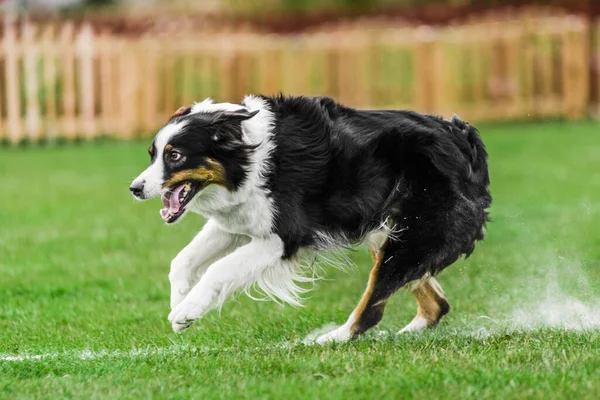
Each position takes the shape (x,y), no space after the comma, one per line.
(232,272)
(211,244)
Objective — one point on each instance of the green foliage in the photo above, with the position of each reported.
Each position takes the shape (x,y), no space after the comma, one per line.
(83,277)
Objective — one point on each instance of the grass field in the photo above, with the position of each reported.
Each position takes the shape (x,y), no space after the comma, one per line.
(84,291)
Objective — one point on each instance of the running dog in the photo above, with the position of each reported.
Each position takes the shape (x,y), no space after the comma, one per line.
(280,179)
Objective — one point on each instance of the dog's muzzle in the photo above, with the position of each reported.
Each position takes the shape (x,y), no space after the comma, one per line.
(137,189)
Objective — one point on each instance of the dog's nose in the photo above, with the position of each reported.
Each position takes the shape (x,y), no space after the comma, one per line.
(137,189)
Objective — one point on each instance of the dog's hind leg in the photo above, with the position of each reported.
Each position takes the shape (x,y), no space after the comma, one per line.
(396,263)
(383,282)
(431,304)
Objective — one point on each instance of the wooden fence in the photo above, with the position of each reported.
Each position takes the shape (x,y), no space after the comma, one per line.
(73,82)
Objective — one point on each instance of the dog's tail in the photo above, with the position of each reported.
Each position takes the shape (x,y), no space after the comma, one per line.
(475,151)
(453,147)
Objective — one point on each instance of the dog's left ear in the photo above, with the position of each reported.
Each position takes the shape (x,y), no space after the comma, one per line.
(181,111)
(235,116)
(228,131)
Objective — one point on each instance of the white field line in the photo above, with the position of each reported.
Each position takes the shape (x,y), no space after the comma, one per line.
(91,355)
(173,350)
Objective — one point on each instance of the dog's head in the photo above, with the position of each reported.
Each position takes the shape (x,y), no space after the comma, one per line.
(201,145)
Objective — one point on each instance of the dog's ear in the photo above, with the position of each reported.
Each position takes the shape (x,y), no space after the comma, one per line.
(185,110)
(235,116)
(228,125)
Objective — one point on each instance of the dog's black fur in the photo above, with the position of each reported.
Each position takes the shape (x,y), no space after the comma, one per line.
(342,171)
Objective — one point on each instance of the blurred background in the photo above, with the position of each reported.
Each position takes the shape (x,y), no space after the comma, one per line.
(85,68)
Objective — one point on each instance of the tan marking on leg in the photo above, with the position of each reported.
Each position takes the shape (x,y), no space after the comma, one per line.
(373,255)
(431,302)
(362,305)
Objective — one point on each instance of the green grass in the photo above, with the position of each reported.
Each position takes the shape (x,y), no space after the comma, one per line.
(83,268)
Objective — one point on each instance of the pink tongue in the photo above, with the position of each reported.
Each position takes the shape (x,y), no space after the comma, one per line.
(171,203)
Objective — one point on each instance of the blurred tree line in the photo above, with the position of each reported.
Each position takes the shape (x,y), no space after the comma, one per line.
(308,6)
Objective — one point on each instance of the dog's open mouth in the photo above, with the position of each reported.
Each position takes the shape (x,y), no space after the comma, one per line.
(175,200)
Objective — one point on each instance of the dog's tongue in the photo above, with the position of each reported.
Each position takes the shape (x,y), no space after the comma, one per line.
(171,202)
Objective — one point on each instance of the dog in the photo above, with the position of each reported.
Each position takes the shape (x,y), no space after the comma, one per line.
(280,179)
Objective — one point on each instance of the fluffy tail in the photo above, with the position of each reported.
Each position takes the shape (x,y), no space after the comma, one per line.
(475,152)
(474,149)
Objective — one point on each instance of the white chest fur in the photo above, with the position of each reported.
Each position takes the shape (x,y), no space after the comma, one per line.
(247,212)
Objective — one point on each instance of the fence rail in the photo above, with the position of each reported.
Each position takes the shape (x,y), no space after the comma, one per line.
(73,82)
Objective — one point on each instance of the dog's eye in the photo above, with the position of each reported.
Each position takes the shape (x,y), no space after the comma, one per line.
(175,156)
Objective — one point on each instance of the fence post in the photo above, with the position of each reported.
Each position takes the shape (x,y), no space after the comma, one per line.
(30,58)
(430,81)
(575,80)
(581,39)
(343,69)
(440,77)
(68,81)
(48,48)
(226,69)
(512,45)
(362,95)
(127,89)
(240,66)
(150,85)
(528,67)
(374,64)
(546,69)
(270,62)
(13,100)
(107,82)
(168,66)
(186,95)
(209,84)
(85,50)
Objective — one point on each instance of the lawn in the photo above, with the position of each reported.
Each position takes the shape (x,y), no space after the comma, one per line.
(84,291)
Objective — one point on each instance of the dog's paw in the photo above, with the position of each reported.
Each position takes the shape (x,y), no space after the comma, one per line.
(341,334)
(179,327)
(416,325)
(183,316)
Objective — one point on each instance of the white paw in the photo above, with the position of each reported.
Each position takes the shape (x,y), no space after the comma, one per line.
(341,334)
(417,324)
(184,315)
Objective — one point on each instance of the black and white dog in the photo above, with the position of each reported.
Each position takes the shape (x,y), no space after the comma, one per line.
(281,178)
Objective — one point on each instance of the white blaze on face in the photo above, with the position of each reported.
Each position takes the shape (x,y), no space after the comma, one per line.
(152,178)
